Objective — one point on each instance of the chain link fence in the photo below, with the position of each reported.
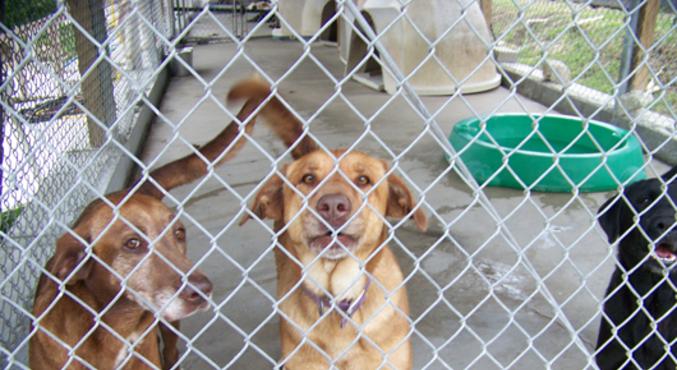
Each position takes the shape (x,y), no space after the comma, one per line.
(503,278)
(69,106)
(589,39)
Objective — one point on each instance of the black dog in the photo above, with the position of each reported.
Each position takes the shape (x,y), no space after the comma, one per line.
(638,328)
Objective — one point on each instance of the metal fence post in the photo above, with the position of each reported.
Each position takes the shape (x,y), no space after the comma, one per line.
(4,98)
(97,86)
(646,27)
(634,76)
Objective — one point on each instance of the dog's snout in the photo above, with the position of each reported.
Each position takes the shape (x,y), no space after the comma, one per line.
(197,288)
(334,208)
(661,224)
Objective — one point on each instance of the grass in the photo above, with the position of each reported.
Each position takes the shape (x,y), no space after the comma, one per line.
(66,44)
(20,12)
(8,218)
(588,40)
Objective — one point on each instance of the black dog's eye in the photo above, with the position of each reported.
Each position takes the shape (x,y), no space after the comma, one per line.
(180,234)
(363,180)
(646,200)
(308,179)
(134,244)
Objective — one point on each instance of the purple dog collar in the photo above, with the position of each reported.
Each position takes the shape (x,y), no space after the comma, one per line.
(348,306)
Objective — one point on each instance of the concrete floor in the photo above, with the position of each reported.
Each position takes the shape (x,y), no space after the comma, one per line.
(476,302)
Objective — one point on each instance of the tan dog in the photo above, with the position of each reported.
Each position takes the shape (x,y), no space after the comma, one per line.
(340,287)
(91,318)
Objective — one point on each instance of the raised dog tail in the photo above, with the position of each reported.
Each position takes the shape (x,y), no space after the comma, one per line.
(193,166)
(283,122)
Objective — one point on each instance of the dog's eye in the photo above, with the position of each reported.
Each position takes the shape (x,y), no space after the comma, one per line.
(363,180)
(133,243)
(646,200)
(308,178)
(180,234)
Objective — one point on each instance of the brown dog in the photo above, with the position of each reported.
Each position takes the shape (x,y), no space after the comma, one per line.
(340,287)
(84,312)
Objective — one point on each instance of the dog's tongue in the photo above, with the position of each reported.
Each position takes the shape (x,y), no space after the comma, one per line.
(664,252)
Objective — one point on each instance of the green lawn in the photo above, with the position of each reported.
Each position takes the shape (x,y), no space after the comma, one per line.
(20,12)
(8,218)
(588,40)
(65,32)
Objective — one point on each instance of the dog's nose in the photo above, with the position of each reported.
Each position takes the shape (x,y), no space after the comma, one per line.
(334,208)
(197,283)
(661,224)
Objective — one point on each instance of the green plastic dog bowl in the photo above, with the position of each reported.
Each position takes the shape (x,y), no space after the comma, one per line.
(547,152)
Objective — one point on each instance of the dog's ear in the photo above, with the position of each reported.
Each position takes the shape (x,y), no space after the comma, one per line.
(608,217)
(268,201)
(670,175)
(69,256)
(401,203)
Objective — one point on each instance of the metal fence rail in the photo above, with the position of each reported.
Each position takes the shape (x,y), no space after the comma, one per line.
(75,75)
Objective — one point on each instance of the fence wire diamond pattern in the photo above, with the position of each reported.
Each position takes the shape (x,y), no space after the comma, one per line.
(501,278)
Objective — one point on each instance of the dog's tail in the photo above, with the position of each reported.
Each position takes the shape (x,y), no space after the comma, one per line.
(193,166)
(283,122)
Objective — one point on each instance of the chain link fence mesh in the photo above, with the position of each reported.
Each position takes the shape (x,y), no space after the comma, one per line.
(588,37)
(49,143)
(67,121)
